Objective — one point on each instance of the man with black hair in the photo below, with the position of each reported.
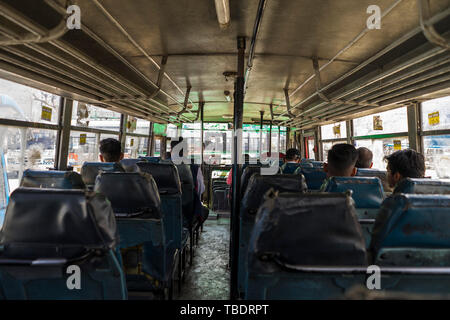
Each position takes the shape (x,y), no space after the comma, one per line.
(365,157)
(404,164)
(110,150)
(290,161)
(342,158)
(401,164)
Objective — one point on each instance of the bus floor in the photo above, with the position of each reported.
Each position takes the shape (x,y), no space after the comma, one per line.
(208,277)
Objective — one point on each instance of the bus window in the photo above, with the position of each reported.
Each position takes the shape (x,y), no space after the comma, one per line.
(84,115)
(27,148)
(382,134)
(83,147)
(4,188)
(24,103)
(436,148)
(334,131)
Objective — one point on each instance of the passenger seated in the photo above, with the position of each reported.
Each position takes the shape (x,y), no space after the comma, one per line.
(404,164)
(110,150)
(293,157)
(401,164)
(342,158)
(365,158)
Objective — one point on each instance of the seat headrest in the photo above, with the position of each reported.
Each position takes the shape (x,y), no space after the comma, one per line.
(306,164)
(314,176)
(185,173)
(382,174)
(289,168)
(130,165)
(315,229)
(414,220)
(90,170)
(151,159)
(50,223)
(247,173)
(317,164)
(165,175)
(422,186)
(367,192)
(131,194)
(52,179)
(259,185)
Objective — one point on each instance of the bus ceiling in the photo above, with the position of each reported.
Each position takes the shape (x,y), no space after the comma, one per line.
(311,62)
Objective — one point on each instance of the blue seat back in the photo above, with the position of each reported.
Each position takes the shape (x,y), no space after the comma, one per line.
(90,170)
(168,182)
(413,221)
(247,173)
(366,192)
(314,177)
(252,200)
(130,165)
(297,230)
(54,229)
(422,186)
(381,174)
(289,168)
(151,159)
(137,205)
(52,179)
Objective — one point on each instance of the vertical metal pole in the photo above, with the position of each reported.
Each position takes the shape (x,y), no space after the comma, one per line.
(202,104)
(413,127)
(123,130)
(349,128)
(279,140)
(303,146)
(270,138)
(150,142)
(65,135)
(260,132)
(288,138)
(236,184)
(318,144)
(61,126)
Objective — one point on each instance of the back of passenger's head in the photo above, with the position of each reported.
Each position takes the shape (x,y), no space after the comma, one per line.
(342,158)
(110,150)
(405,164)
(365,157)
(292,154)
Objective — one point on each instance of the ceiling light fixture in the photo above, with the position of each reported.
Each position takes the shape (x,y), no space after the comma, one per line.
(223,13)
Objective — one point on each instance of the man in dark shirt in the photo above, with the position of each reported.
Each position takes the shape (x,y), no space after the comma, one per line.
(401,164)
(342,158)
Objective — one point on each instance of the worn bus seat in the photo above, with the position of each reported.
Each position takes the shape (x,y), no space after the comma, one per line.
(130,165)
(169,186)
(413,230)
(314,177)
(297,231)
(422,186)
(381,174)
(367,192)
(252,200)
(151,159)
(90,170)
(247,173)
(48,230)
(52,179)
(289,168)
(135,200)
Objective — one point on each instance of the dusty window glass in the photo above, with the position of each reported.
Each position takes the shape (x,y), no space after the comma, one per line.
(83,146)
(326,146)
(24,103)
(26,148)
(437,156)
(311,149)
(334,131)
(391,121)
(383,147)
(436,114)
(85,115)
(131,147)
